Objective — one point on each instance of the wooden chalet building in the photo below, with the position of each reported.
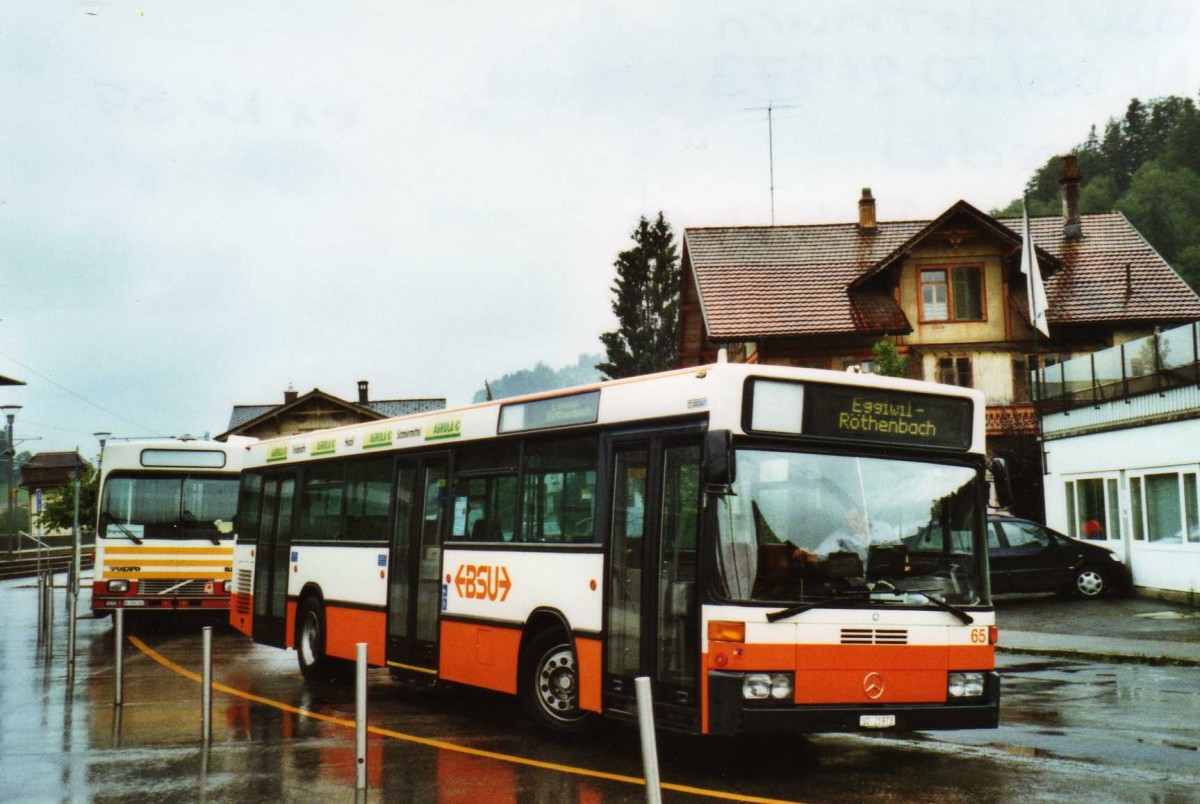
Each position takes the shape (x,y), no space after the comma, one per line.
(949,291)
(318,410)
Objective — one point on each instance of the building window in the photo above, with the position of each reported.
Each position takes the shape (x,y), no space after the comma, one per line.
(1165,507)
(952,294)
(954,371)
(1093,508)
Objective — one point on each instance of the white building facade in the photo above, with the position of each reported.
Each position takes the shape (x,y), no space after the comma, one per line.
(1123,458)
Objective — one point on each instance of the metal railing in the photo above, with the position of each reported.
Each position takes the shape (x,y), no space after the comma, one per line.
(1153,364)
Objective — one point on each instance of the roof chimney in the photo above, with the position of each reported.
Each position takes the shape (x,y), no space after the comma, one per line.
(362,392)
(290,396)
(1072,227)
(866,212)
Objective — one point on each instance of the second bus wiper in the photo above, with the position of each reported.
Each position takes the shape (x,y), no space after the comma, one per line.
(190,517)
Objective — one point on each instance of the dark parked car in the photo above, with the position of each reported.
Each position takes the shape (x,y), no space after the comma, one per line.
(1028,557)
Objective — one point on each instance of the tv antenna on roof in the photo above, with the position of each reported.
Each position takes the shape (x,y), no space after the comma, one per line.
(770,108)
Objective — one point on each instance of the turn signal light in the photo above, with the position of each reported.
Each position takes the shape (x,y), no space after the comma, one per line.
(993,635)
(726,631)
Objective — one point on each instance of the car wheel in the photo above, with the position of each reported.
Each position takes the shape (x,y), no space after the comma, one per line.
(1090,582)
(550,685)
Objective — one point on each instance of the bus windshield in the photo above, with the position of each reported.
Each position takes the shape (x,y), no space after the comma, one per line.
(175,507)
(804,527)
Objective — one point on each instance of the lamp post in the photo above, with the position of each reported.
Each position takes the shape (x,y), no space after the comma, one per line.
(101,436)
(10,453)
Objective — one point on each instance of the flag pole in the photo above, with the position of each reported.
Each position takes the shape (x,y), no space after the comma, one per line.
(1028,267)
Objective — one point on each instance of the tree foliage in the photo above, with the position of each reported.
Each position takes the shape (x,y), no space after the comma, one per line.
(646,303)
(1147,166)
(888,362)
(540,378)
(58,511)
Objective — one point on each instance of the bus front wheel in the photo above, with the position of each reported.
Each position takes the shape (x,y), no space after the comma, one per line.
(550,685)
(310,643)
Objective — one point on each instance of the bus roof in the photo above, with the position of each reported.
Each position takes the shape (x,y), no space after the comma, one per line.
(712,393)
(167,454)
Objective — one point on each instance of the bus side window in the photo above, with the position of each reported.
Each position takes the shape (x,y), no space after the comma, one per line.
(485,493)
(368,489)
(559,499)
(321,501)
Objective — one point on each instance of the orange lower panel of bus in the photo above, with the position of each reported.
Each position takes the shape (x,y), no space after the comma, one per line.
(345,627)
(488,656)
(834,674)
(241,608)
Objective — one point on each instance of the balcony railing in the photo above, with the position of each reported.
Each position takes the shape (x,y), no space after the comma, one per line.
(1148,365)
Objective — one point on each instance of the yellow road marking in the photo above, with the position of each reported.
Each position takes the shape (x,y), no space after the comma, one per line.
(445,746)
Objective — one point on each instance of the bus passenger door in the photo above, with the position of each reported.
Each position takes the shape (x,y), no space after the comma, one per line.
(272,560)
(652,610)
(414,582)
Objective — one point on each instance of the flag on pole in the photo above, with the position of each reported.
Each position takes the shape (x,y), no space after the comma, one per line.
(1034,289)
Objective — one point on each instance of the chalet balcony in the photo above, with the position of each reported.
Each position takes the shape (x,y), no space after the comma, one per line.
(1153,364)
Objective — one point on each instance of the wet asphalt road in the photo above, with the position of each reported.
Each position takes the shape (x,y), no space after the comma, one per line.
(1071,730)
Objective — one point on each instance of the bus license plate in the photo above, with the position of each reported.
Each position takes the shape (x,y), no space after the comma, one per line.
(876,721)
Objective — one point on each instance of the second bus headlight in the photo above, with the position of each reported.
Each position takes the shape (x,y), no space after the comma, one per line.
(965,685)
(118,586)
(761,686)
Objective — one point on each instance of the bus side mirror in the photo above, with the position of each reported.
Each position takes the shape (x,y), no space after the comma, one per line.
(1002,482)
(718,467)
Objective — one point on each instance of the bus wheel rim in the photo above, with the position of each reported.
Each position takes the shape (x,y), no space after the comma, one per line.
(557,684)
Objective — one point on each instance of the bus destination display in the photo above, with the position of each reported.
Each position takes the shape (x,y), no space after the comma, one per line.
(891,417)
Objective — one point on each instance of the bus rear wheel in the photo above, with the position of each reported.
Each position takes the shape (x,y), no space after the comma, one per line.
(315,665)
(550,685)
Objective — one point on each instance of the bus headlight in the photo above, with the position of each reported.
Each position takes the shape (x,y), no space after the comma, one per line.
(761,686)
(118,586)
(965,685)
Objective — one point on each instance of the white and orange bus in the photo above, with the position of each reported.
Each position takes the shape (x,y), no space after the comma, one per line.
(775,548)
(164,535)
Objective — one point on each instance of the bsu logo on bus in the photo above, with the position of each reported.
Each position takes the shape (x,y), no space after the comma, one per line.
(482,582)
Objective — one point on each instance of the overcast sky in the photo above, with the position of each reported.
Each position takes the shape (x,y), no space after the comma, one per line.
(202,203)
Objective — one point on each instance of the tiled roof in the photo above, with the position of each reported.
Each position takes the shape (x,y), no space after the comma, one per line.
(1092,286)
(384,407)
(403,407)
(245,413)
(763,281)
(49,469)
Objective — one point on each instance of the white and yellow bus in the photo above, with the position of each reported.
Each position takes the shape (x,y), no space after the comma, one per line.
(777,549)
(164,535)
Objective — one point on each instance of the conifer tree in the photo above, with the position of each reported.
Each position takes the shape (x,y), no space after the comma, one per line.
(646,303)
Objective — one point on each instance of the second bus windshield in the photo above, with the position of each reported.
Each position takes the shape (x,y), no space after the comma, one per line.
(168,507)
(805,526)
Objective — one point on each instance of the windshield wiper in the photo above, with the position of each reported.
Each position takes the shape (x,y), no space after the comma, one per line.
(966,619)
(108,518)
(792,611)
(190,517)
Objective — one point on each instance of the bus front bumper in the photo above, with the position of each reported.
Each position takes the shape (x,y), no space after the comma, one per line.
(729,714)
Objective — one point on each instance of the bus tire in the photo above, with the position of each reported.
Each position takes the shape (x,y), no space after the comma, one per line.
(549,685)
(315,665)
